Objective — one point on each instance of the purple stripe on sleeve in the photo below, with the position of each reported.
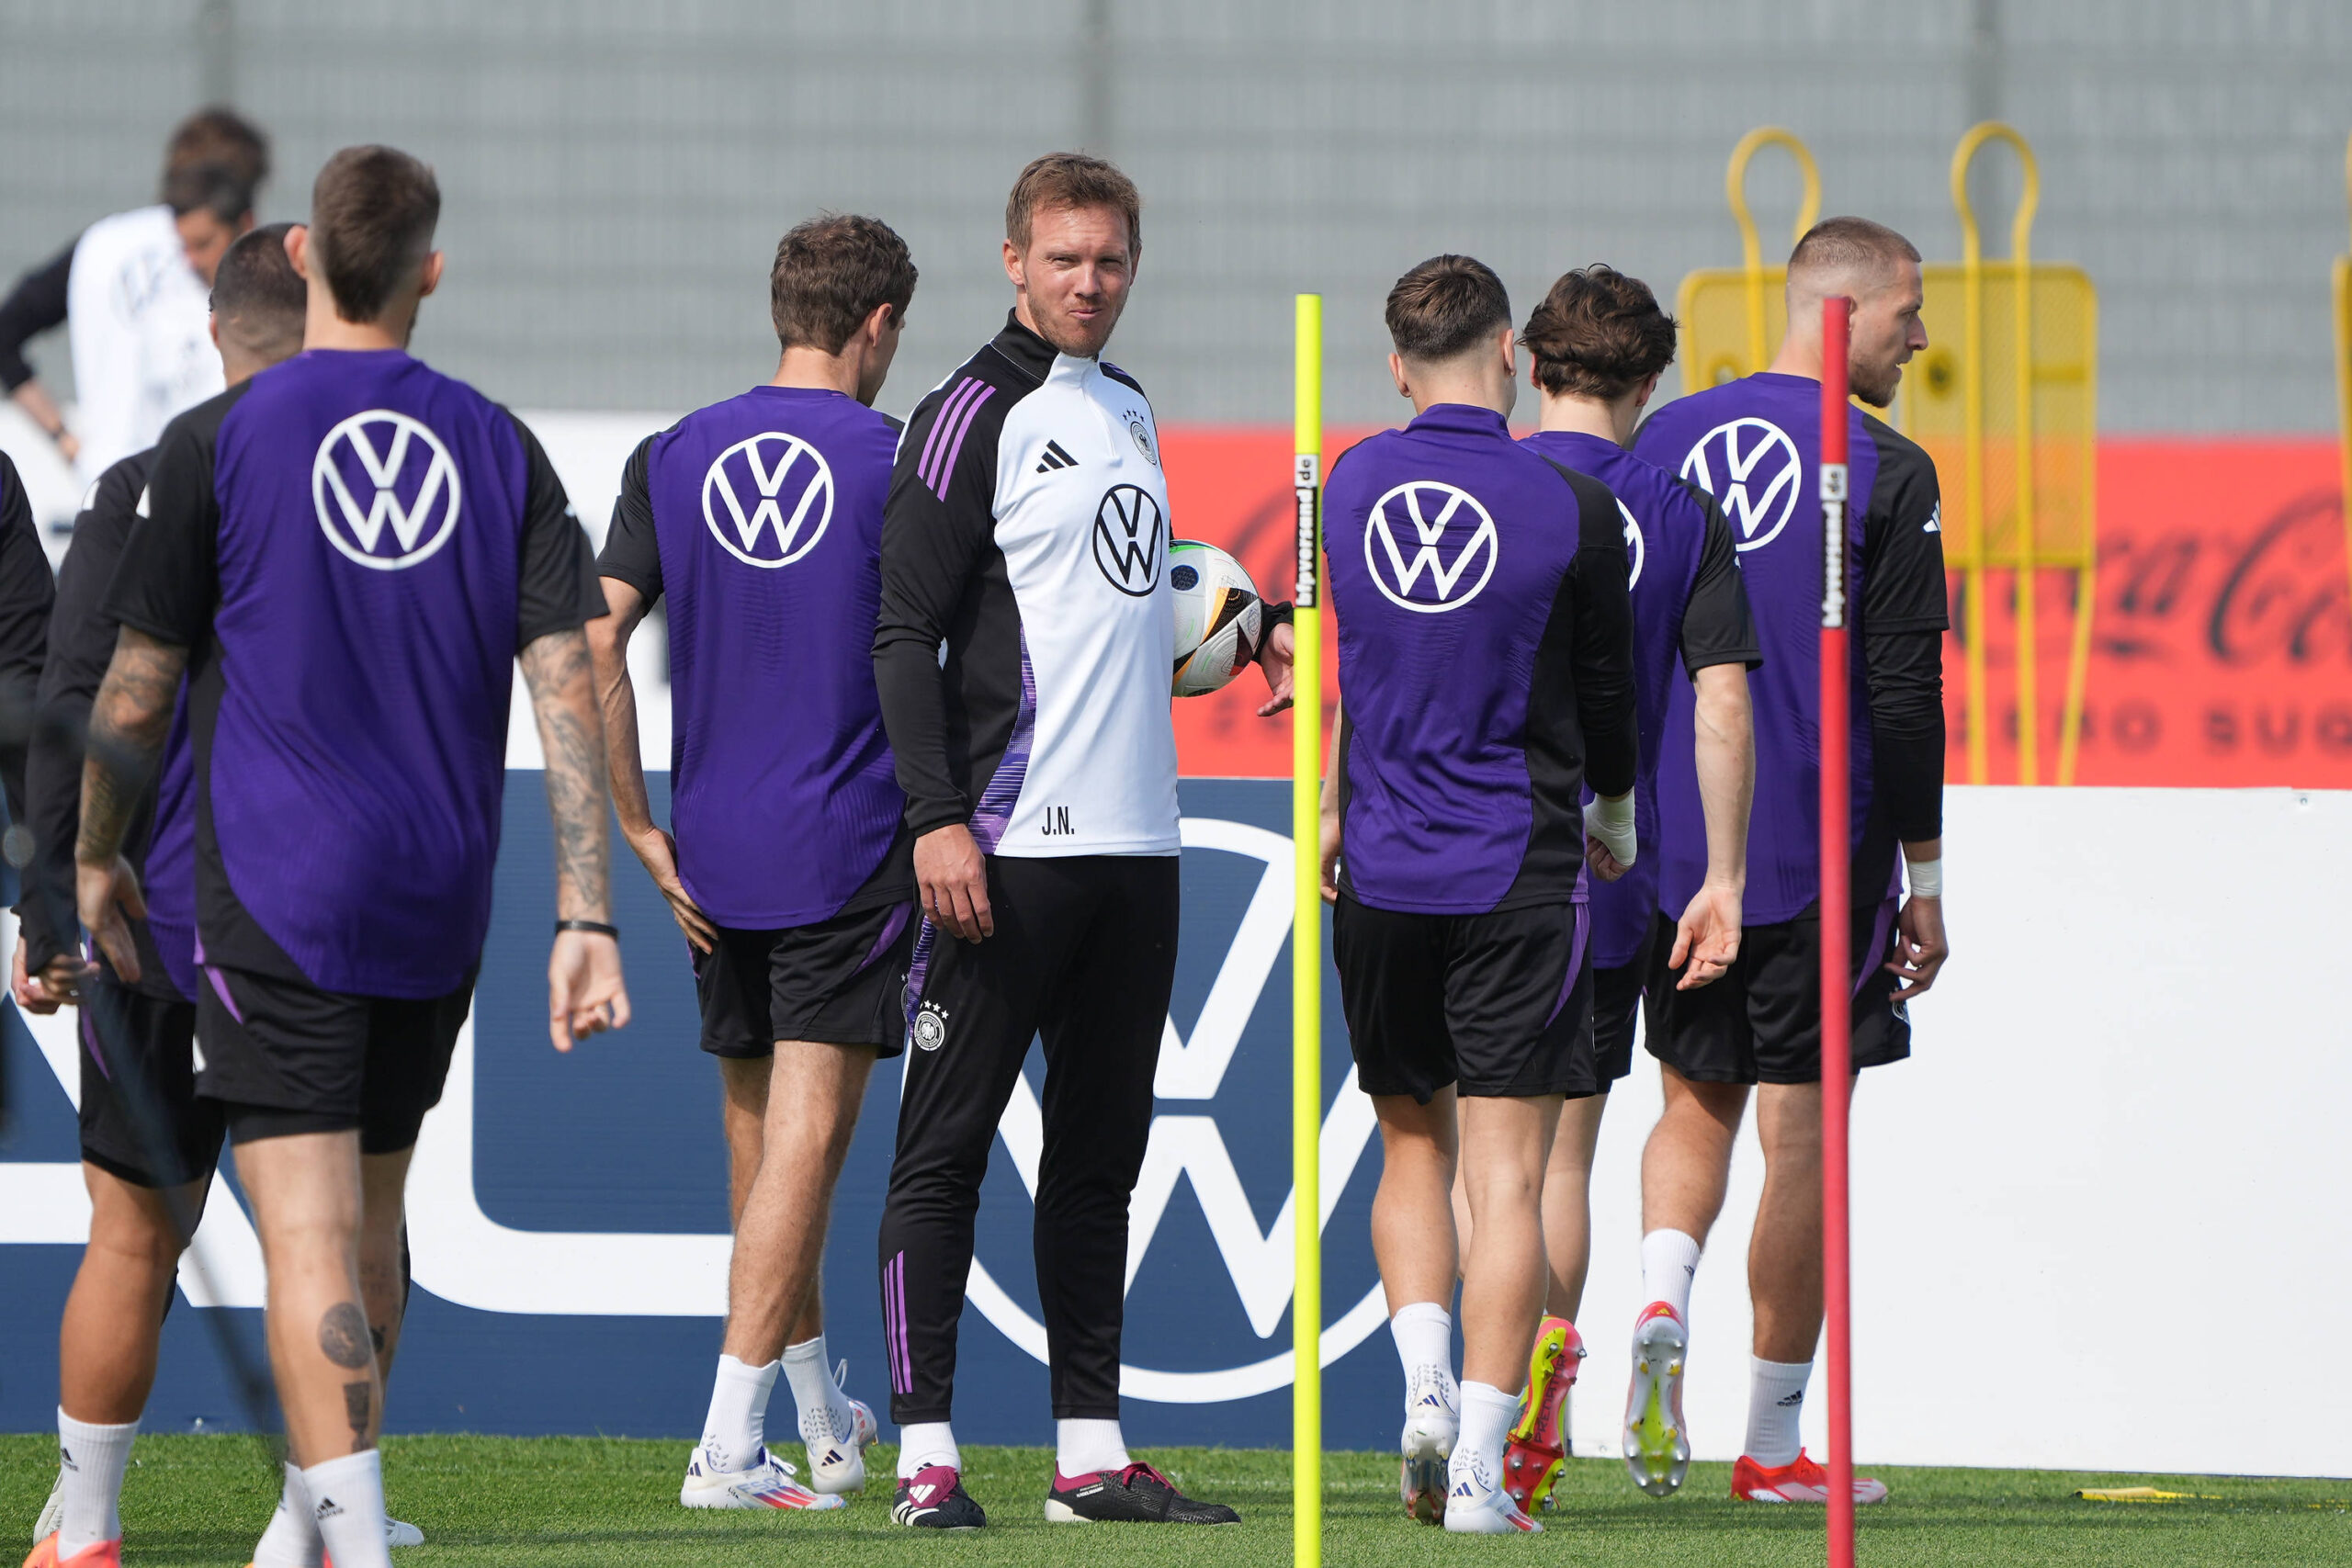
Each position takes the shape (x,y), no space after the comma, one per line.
(1575,960)
(928,470)
(962,426)
(994,813)
(220,988)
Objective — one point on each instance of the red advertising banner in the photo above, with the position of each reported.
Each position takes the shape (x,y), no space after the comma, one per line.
(2222,621)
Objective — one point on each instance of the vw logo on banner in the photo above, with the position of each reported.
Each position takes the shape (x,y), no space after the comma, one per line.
(1452,540)
(410,486)
(1636,550)
(770,471)
(1759,476)
(1128,526)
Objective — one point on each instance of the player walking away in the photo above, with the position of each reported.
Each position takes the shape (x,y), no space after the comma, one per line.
(346,556)
(760,517)
(1598,342)
(1027,532)
(1753,444)
(131,288)
(1486,662)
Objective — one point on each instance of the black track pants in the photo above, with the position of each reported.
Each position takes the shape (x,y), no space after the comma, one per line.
(1084,956)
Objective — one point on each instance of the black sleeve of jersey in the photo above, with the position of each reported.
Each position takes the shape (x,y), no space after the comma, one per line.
(631,553)
(931,544)
(80,645)
(169,581)
(35,305)
(1907,687)
(557,586)
(1717,627)
(1903,616)
(26,592)
(1604,640)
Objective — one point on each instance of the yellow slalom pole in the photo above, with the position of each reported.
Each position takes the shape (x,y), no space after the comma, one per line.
(1306,950)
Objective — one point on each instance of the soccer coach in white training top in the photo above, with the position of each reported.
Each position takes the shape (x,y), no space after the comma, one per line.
(1027,532)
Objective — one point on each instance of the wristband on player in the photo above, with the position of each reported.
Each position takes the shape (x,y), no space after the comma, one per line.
(1612,821)
(1276,614)
(594,927)
(1927,878)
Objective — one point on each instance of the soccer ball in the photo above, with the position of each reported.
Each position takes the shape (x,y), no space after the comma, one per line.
(1218,617)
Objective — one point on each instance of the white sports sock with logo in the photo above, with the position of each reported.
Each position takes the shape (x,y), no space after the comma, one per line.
(1486,1415)
(91,1459)
(1775,1406)
(347,1501)
(922,1444)
(1669,1262)
(1424,1335)
(825,1415)
(292,1539)
(1082,1447)
(737,1426)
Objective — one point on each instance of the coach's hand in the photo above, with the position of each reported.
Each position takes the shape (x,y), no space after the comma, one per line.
(1274,659)
(952,879)
(1920,946)
(1707,936)
(103,895)
(585,995)
(659,853)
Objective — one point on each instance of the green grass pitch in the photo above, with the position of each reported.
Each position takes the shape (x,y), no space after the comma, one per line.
(590,1502)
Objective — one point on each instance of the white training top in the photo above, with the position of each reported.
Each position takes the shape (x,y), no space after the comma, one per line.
(139,321)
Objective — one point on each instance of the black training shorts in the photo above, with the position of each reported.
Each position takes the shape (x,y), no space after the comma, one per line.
(284,1056)
(1760,1022)
(1499,1005)
(836,982)
(141,1118)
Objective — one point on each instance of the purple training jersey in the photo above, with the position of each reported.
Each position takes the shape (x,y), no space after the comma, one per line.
(353,547)
(761,518)
(1755,445)
(1485,665)
(1688,606)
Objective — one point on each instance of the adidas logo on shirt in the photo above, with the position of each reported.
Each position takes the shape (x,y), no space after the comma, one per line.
(1056,459)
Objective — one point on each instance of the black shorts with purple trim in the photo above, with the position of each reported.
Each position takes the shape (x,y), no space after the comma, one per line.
(834,982)
(1616,1004)
(1499,1005)
(142,1118)
(1760,1022)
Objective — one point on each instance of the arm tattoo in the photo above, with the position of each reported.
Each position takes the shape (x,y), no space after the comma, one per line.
(128,722)
(563,695)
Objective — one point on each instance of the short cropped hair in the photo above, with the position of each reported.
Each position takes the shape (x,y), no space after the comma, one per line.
(218,135)
(1072,180)
(1445,307)
(1599,334)
(1850,245)
(258,299)
(372,215)
(832,273)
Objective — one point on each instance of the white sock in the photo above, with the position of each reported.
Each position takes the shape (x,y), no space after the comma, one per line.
(1486,1415)
(347,1501)
(825,1415)
(1082,1447)
(292,1538)
(1775,1406)
(1669,1262)
(922,1444)
(737,1426)
(91,1459)
(1424,1335)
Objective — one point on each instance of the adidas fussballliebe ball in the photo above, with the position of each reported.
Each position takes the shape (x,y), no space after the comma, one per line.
(1218,617)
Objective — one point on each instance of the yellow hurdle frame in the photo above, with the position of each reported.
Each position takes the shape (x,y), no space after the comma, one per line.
(1760,285)
(1306,943)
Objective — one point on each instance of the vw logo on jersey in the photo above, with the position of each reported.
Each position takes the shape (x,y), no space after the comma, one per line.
(1128,529)
(1453,540)
(1750,466)
(1636,550)
(385,489)
(748,489)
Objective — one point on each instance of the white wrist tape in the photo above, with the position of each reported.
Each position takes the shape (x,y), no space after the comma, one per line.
(1927,878)
(1612,821)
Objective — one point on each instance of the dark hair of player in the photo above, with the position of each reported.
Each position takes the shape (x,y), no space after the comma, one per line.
(1850,244)
(830,274)
(1444,306)
(216,189)
(223,136)
(258,299)
(1599,334)
(372,214)
(1071,179)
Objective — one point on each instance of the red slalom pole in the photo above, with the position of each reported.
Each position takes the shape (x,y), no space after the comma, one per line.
(1837,927)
